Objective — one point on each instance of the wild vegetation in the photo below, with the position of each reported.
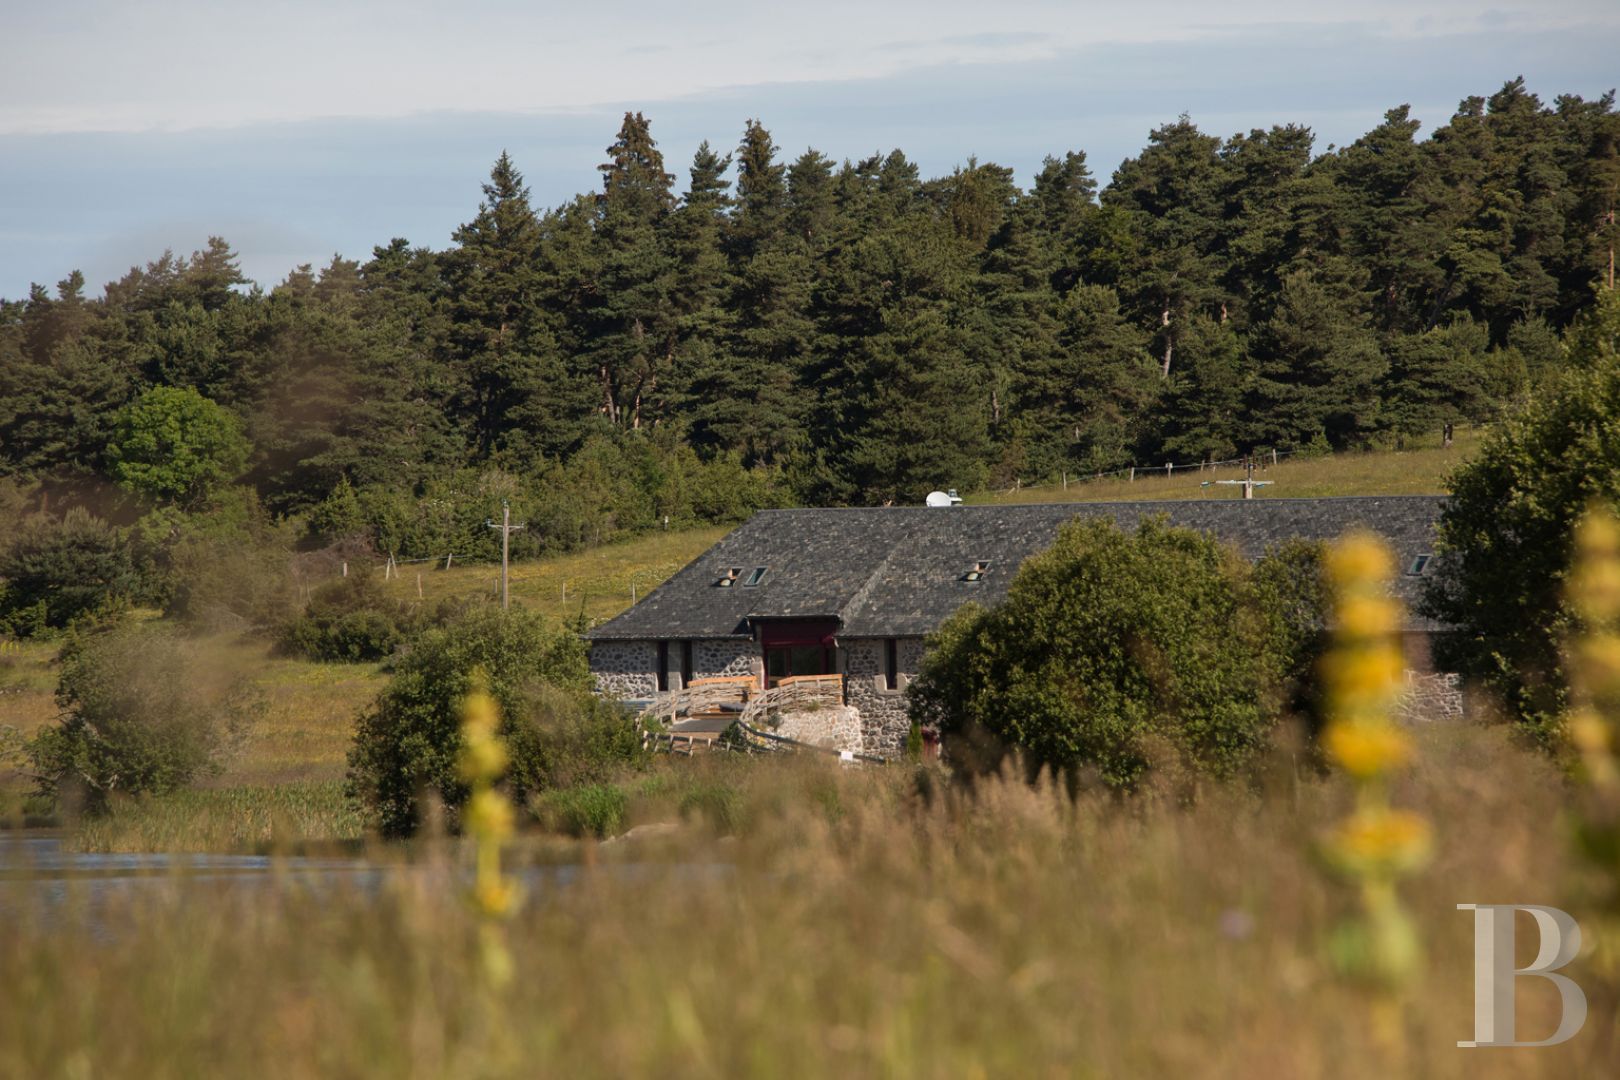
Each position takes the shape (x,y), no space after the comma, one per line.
(1509,529)
(865,924)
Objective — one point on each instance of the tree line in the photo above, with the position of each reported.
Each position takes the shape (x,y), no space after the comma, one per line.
(795,329)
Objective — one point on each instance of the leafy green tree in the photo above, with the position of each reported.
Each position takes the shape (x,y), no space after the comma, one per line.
(172,444)
(1111,648)
(1506,531)
(406,743)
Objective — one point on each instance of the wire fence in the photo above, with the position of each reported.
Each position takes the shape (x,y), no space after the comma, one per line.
(1131,473)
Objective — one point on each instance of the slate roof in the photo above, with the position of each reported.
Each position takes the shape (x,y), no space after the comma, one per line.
(897,572)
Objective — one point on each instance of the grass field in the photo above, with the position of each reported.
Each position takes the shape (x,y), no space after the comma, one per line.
(860,924)
(600,582)
(1421,470)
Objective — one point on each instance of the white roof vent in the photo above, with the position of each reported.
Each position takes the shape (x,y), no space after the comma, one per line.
(944,498)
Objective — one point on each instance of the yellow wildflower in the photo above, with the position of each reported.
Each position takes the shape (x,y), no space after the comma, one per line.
(1594,588)
(1381,842)
(488,815)
(1357,559)
(1363,677)
(1589,732)
(1367,748)
(1369,616)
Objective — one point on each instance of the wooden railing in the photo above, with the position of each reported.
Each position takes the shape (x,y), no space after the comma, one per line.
(795,693)
(701,694)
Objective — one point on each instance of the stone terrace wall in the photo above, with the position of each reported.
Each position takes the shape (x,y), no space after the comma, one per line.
(837,727)
(884,723)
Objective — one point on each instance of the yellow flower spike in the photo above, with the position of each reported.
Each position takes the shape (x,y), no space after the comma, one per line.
(495,898)
(488,814)
(479,714)
(1594,587)
(1590,732)
(1369,616)
(1597,657)
(483,759)
(1381,842)
(1358,559)
(1368,748)
(1361,677)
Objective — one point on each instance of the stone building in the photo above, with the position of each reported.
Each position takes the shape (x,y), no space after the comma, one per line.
(852,593)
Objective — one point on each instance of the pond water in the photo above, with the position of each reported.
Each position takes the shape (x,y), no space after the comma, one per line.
(43,884)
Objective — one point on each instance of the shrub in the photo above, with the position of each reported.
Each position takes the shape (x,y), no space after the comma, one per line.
(557,730)
(351,620)
(1109,644)
(1506,534)
(141,714)
(597,810)
(227,567)
(58,570)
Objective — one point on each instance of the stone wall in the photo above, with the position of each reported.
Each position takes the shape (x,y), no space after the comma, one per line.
(625,669)
(837,727)
(884,722)
(714,659)
(629,669)
(1430,695)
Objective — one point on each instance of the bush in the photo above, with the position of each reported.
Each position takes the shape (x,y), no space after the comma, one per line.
(1107,646)
(350,620)
(141,715)
(558,731)
(58,570)
(1506,533)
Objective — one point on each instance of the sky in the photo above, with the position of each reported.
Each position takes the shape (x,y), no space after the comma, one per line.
(300,129)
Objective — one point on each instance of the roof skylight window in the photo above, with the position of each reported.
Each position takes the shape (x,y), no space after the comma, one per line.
(755,578)
(729,578)
(976,571)
(1419,564)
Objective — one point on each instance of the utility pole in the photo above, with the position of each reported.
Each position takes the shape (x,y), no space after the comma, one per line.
(1249,482)
(507,529)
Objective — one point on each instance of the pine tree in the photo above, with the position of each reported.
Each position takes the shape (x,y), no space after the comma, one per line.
(501,355)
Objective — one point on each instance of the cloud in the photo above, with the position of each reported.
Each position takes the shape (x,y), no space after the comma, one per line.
(287,193)
(123,65)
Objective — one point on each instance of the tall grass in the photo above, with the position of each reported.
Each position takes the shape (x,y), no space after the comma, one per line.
(247,818)
(862,924)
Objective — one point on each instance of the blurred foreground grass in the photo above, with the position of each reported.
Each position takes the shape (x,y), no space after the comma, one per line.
(869,923)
